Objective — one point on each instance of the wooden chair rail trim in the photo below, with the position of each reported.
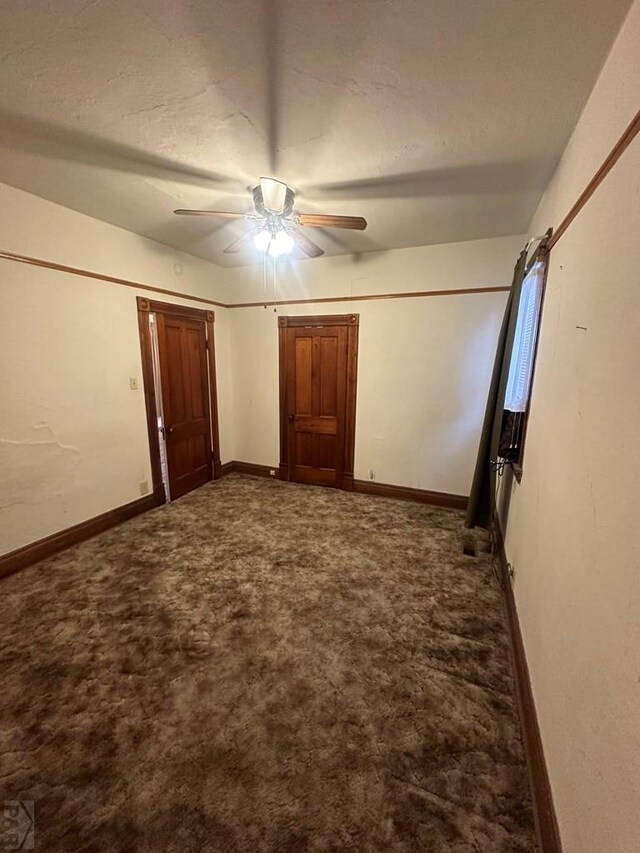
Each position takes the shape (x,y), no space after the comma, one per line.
(612,158)
(124,282)
(137,285)
(412,294)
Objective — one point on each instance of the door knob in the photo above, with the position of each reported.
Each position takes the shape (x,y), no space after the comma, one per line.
(292,417)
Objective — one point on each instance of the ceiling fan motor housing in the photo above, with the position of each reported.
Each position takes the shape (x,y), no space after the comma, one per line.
(261,210)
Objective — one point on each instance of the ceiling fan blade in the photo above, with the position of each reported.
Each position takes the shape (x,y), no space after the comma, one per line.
(227,214)
(321,220)
(242,242)
(311,249)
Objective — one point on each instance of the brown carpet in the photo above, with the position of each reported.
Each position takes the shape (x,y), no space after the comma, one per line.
(264,667)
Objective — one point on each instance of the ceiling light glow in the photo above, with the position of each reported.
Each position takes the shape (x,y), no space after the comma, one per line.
(261,240)
(281,244)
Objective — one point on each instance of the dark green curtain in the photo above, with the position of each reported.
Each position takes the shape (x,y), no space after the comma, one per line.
(483,489)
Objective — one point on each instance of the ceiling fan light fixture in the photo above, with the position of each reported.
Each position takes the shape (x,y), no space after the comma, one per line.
(276,235)
(281,244)
(261,240)
(274,194)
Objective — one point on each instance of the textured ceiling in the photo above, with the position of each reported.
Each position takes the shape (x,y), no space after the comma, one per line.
(437,120)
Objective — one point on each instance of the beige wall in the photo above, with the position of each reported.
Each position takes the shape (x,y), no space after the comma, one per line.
(423,366)
(572,528)
(73,436)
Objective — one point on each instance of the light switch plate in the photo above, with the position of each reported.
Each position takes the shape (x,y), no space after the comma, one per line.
(133,383)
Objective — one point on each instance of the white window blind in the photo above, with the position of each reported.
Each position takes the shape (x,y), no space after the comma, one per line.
(524,342)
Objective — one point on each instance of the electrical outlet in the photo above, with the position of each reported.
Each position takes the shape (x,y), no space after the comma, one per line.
(372,474)
(133,383)
(272,472)
(144,487)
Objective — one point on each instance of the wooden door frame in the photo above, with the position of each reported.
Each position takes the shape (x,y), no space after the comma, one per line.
(352,321)
(151,306)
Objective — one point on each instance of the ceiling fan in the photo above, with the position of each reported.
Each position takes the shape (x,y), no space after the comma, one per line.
(276,231)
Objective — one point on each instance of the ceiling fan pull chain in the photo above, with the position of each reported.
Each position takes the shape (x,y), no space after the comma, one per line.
(264,278)
(275,285)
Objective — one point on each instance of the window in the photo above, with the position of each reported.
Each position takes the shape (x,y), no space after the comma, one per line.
(523,356)
(524,342)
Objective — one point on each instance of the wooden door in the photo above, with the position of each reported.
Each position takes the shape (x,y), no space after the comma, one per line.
(182,345)
(317,396)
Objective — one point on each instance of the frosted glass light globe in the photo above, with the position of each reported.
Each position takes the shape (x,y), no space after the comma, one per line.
(261,240)
(282,244)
